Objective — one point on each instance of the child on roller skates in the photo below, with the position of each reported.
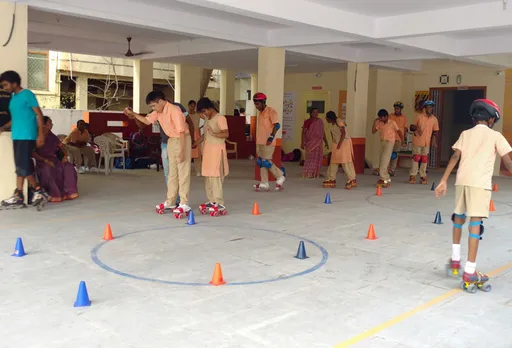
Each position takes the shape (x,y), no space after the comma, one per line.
(388,135)
(476,149)
(215,160)
(400,141)
(27,133)
(341,153)
(179,147)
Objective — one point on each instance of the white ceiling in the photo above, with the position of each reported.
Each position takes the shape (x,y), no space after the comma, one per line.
(317,34)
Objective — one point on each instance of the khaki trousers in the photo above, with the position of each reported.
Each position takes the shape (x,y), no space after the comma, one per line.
(422,151)
(266,152)
(348,168)
(179,173)
(396,148)
(213,186)
(76,154)
(386,149)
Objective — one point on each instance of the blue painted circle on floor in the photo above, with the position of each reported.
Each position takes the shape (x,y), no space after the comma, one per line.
(323,261)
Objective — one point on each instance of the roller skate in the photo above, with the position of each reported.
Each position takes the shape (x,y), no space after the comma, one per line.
(423,180)
(412,179)
(279,183)
(181,211)
(261,187)
(391,172)
(350,184)
(204,208)
(376,172)
(452,268)
(329,184)
(472,282)
(162,208)
(37,198)
(218,209)
(16,201)
(383,183)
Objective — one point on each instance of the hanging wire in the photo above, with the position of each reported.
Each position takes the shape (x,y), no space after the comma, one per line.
(12,27)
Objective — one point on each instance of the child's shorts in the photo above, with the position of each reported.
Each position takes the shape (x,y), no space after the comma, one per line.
(472,201)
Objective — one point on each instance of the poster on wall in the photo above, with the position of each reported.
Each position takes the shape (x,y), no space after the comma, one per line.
(288,114)
(419,98)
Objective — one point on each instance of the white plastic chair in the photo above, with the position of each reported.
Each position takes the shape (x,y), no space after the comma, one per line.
(108,153)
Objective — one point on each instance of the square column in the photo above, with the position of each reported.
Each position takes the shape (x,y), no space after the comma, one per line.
(81,93)
(358,75)
(142,84)
(187,83)
(227,92)
(270,80)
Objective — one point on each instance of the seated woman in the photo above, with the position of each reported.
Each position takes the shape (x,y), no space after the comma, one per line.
(56,175)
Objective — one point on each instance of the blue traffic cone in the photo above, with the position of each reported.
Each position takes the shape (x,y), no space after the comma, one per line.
(327,198)
(191,218)
(82,298)
(438,220)
(433,188)
(301,252)
(19,251)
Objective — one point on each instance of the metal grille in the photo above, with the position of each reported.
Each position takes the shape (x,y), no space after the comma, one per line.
(435,95)
(38,71)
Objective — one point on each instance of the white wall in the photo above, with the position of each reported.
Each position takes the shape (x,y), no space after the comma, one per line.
(63,119)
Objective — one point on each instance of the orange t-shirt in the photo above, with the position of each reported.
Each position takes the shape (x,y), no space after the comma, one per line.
(171,120)
(388,130)
(77,136)
(428,125)
(266,120)
(401,122)
(478,147)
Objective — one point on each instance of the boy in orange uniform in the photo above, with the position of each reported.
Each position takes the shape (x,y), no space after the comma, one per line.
(401,122)
(425,130)
(268,125)
(388,130)
(179,147)
(341,153)
(215,163)
(476,149)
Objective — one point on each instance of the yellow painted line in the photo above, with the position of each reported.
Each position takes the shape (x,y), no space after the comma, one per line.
(403,316)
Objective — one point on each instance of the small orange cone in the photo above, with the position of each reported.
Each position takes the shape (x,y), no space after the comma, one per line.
(255,209)
(379,191)
(217,278)
(495,188)
(371,233)
(107,235)
(491,206)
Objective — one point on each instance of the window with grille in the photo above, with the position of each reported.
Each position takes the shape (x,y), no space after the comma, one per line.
(38,71)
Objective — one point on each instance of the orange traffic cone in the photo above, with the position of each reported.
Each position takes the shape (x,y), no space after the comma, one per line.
(495,188)
(371,233)
(379,191)
(107,235)
(217,278)
(491,206)
(255,209)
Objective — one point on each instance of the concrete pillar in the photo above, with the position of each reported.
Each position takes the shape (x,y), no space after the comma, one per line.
(142,84)
(270,80)
(81,93)
(13,57)
(187,81)
(357,109)
(227,92)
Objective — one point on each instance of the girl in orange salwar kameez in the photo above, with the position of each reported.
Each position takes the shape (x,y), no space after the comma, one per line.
(342,153)
(215,160)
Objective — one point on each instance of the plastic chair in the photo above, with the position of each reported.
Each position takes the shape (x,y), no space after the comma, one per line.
(108,153)
(234,150)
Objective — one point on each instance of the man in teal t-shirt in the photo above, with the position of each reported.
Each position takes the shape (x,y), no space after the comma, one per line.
(27,133)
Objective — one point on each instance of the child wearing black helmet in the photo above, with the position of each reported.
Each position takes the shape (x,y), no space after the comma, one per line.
(476,149)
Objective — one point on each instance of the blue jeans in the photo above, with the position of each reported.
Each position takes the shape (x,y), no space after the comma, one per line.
(165,165)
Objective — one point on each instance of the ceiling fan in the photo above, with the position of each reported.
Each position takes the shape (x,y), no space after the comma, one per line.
(129,53)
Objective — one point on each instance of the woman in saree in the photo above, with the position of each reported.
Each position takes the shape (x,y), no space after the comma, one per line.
(312,136)
(56,175)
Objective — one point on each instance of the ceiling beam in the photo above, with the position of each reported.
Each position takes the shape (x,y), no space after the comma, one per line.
(485,45)
(192,47)
(305,35)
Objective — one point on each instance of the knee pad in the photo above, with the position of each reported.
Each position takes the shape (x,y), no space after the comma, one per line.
(424,159)
(477,223)
(267,164)
(259,162)
(460,216)
(416,158)
(394,155)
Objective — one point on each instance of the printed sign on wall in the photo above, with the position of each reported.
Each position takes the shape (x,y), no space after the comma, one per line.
(289,102)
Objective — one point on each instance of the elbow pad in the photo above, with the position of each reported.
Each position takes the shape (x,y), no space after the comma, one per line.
(277,125)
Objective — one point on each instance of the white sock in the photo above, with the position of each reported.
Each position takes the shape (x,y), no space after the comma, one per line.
(456,252)
(470,267)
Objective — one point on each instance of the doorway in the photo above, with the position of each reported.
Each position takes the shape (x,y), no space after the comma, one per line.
(452,111)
